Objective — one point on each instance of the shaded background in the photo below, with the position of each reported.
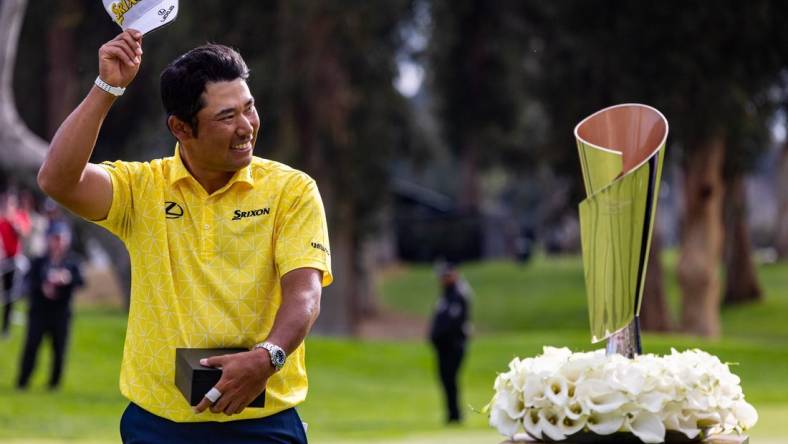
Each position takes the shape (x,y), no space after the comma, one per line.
(440,129)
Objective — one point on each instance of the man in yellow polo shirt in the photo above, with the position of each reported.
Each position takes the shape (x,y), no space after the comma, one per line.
(227,249)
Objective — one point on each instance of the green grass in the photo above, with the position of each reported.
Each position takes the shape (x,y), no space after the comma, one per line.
(386,391)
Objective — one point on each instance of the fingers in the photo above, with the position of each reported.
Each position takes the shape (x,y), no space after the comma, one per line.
(230,405)
(238,381)
(212,399)
(235,406)
(204,404)
(122,52)
(133,43)
(213,361)
(126,47)
(225,405)
(222,404)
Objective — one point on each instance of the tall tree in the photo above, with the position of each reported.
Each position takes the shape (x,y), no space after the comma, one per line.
(475,61)
(654,313)
(342,121)
(21,151)
(749,137)
(750,37)
(62,79)
(781,235)
(741,283)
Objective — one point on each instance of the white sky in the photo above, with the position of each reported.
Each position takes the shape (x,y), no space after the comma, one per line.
(409,79)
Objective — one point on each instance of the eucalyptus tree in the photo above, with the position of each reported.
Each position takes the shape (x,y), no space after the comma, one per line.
(342,121)
(476,57)
(21,151)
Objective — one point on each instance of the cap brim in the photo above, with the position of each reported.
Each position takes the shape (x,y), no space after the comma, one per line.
(164,13)
(142,15)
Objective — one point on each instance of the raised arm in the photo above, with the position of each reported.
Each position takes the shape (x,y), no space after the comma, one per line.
(66,175)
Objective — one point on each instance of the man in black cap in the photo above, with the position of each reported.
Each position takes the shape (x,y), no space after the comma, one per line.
(449,333)
(51,282)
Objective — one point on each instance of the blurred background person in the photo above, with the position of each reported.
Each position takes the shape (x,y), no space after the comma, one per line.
(34,244)
(14,224)
(449,332)
(51,282)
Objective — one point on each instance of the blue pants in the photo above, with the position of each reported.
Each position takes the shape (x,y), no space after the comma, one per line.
(138,426)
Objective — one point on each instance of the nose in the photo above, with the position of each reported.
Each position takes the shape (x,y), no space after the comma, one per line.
(245,127)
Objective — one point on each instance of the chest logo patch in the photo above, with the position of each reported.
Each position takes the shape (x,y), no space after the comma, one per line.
(238,214)
(172,210)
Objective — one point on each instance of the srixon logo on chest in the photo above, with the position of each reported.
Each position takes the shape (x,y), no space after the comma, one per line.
(238,214)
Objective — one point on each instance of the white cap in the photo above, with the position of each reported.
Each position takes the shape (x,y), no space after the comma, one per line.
(142,15)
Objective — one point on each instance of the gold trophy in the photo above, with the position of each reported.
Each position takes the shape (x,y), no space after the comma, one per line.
(621,152)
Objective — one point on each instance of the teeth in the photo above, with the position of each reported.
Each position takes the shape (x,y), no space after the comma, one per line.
(241,146)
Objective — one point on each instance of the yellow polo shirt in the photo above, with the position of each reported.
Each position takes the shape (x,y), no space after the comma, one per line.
(206,271)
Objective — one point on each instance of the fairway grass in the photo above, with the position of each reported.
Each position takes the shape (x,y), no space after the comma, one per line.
(386,392)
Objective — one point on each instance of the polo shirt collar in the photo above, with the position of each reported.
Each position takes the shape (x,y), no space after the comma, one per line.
(179,172)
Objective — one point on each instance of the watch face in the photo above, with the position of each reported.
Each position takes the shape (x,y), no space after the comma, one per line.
(279,358)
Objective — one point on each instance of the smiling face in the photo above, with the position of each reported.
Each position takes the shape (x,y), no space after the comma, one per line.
(227,128)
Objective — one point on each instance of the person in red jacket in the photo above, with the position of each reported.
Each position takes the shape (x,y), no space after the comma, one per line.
(11,245)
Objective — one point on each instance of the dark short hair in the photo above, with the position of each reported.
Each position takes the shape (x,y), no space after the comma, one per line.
(183,80)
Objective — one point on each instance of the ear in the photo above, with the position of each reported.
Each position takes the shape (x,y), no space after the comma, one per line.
(180,129)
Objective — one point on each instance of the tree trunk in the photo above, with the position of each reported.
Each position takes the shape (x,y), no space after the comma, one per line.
(317,116)
(470,188)
(701,242)
(62,80)
(741,281)
(654,313)
(21,151)
(337,316)
(781,233)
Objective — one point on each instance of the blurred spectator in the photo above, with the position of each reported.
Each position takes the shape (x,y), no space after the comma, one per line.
(524,244)
(35,244)
(51,281)
(13,225)
(449,333)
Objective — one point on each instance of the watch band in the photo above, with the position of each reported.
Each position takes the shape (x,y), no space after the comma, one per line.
(114,90)
(277,354)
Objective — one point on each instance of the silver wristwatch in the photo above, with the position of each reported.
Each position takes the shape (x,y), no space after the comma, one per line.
(114,90)
(278,356)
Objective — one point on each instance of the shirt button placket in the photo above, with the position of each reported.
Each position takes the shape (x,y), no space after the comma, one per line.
(205,237)
(209,226)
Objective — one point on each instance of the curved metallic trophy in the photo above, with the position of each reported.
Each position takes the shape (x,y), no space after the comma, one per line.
(621,152)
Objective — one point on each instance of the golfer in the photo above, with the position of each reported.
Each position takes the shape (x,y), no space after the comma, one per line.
(227,249)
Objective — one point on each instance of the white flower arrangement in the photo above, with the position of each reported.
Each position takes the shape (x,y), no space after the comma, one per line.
(560,393)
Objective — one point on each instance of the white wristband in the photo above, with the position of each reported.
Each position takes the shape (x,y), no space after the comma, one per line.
(114,90)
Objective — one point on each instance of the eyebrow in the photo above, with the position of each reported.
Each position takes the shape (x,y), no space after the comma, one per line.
(225,111)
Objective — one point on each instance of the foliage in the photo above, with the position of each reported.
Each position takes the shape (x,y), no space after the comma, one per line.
(475,58)
(707,66)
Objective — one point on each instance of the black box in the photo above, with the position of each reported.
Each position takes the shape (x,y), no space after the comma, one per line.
(194,380)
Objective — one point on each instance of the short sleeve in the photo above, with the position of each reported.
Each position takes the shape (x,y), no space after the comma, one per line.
(302,235)
(118,220)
